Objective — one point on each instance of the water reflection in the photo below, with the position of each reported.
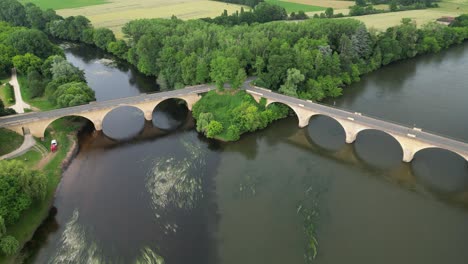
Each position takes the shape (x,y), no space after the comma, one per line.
(170,114)
(326,132)
(123,123)
(430,166)
(378,149)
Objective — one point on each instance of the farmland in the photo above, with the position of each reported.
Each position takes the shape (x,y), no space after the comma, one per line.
(115,14)
(61,4)
(291,6)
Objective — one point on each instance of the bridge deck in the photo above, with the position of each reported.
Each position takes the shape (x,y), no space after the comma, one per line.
(25,118)
(397,129)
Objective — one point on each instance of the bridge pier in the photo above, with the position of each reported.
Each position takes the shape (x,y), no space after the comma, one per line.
(408,155)
(149,115)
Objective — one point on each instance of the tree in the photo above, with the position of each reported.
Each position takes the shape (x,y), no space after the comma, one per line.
(19,187)
(13,12)
(27,62)
(393,6)
(223,70)
(213,129)
(9,245)
(36,84)
(62,69)
(31,41)
(203,120)
(73,94)
(5,111)
(290,86)
(6,55)
(239,79)
(102,37)
(329,12)
(118,48)
(266,12)
(361,2)
(35,16)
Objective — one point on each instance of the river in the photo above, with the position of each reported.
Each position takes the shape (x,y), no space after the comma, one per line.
(142,191)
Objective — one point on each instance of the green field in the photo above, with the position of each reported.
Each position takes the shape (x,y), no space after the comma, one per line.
(62,4)
(9,141)
(295,7)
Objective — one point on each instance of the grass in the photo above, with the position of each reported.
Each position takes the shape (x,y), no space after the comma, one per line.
(116,13)
(336,4)
(32,218)
(295,7)
(62,4)
(7,95)
(9,141)
(41,102)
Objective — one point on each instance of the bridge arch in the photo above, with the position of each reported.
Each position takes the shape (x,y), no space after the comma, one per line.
(374,141)
(271,104)
(169,113)
(40,131)
(123,122)
(326,131)
(441,169)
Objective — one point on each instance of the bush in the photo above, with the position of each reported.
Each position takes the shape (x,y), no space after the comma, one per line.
(9,245)
(10,93)
(214,128)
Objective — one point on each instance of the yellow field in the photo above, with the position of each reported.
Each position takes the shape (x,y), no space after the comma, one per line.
(447,8)
(118,12)
(336,4)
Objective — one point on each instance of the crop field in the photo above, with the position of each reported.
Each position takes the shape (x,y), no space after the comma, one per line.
(385,20)
(293,6)
(116,13)
(61,4)
(336,4)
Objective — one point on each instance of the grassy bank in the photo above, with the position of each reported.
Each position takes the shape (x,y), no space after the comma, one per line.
(40,102)
(9,141)
(65,133)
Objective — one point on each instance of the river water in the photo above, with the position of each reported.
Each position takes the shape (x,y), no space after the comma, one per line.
(140,192)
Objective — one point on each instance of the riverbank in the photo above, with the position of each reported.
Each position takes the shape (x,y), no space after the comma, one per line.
(65,133)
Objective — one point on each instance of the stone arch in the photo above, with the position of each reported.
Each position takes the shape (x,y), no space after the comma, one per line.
(115,128)
(395,139)
(334,120)
(171,117)
(296,112)
(41,133)
(415,152)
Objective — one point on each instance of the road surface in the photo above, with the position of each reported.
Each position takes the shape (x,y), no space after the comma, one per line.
(20,105)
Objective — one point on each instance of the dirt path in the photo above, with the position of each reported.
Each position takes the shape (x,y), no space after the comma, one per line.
(20,105)
(44,161)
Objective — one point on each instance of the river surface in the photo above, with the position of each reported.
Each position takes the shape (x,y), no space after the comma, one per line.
(140,192)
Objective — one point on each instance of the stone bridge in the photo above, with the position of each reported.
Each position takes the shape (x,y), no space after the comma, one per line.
(411,139)
(37,123)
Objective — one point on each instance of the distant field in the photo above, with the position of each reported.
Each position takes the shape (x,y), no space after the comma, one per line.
(61,4)
(447,8)
(116,13)
(293,6)
(324,3)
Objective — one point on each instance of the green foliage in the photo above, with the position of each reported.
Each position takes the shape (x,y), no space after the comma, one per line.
(213,129)
(9,245)
(36,84)
(224,70)
(237,113)
(329,12)
(26,63)
(9,140)
(290,86)
(73,94)
(31,41)
(103,37)
(9,93)
(13,12)
(19,187)
(5,111)
(118,48)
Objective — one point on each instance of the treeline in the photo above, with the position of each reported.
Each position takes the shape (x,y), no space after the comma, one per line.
(262,13)
(363,7)
(251,3)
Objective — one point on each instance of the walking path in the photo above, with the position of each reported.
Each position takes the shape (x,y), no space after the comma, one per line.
(28,143)
(20,105)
